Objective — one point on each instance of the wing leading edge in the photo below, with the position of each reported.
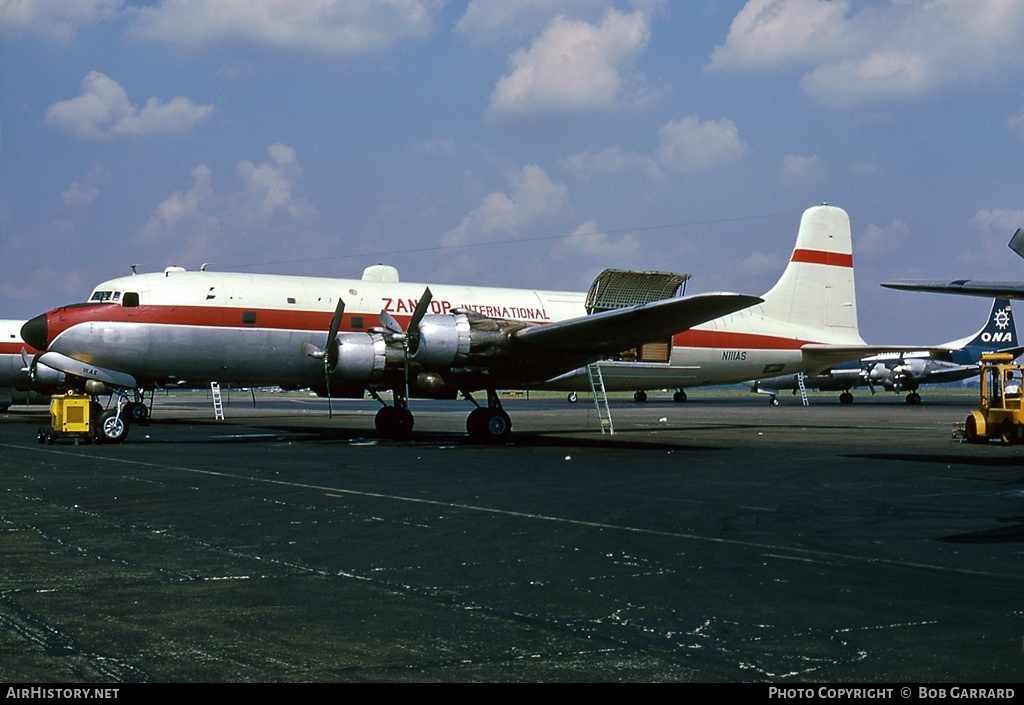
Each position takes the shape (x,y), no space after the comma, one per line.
(611,332)
(965,287)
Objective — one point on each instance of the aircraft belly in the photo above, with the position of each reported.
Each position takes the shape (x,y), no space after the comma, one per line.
(690,367)
(194,354)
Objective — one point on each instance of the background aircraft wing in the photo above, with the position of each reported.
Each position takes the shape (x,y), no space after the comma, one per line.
(611,332)
(966,287)
(828,355)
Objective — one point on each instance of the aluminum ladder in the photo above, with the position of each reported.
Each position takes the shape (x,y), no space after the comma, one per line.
(604,413)
(218,403)
(800,376)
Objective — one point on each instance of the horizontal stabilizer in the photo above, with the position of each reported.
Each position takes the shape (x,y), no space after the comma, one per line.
(71,366)
(611,332)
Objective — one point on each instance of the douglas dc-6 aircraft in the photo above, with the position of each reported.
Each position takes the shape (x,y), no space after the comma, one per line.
(907,371)
(178,327)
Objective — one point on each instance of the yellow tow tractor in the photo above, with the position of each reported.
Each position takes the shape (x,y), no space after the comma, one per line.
(1000,414)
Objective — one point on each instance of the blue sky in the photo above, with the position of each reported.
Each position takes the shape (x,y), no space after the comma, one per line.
(527,143)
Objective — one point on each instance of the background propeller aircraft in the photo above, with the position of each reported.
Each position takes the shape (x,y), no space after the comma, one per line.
(16,384)
(907,371)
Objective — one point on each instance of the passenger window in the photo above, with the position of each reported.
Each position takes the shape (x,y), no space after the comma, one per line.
(248,318)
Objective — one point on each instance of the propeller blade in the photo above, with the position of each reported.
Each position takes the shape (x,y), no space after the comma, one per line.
(391,325)
(332,332)
(413,334)
(331,355)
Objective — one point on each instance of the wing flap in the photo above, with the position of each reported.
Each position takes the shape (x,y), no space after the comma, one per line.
(611,332)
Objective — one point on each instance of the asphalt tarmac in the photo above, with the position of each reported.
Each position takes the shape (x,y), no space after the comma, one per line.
(719,540)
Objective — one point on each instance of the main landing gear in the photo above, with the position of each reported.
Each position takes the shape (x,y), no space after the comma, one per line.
(394,421)
(490,424)
(485,424)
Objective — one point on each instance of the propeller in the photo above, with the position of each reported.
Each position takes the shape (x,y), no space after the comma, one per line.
(410,337)
(328,353)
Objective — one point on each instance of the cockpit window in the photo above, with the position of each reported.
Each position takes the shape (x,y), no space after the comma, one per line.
(101,295)
(131,299)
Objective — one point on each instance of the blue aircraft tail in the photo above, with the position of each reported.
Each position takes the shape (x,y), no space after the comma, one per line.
(999,333)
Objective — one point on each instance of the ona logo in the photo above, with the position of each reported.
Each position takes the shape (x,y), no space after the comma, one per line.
(1001,318)
(997,337)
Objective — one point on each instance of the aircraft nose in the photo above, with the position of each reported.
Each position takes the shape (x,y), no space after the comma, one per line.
(35,332)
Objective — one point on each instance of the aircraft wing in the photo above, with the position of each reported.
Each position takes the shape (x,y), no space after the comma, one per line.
(829,355)
(966,287)
(71,366)
(611,332)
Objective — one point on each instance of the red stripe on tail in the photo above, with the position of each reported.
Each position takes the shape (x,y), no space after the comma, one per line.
(837,259)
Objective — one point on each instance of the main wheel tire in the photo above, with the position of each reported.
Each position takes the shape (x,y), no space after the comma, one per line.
(640,396)
(394,422)
(113,428)
(679,397)
(489,425)
(136,411)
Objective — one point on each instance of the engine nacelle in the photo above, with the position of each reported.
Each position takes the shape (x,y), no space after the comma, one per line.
(460,339)
(360,358)
(44,377)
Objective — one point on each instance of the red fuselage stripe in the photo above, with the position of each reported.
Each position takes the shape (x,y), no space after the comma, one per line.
(837,259)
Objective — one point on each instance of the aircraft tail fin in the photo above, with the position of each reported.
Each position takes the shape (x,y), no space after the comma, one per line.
(816,291)
(998,333)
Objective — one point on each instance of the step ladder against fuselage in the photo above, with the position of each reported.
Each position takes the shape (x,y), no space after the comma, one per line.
(218,402)
(802,386)
(604,412)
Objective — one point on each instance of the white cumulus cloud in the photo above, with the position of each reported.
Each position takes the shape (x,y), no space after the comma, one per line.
(685,145)
(533,195)
(328,26)
(857,52)
(801,169)
(575,64)
(56,19)
(692,145)
(201,224)
(103,111)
